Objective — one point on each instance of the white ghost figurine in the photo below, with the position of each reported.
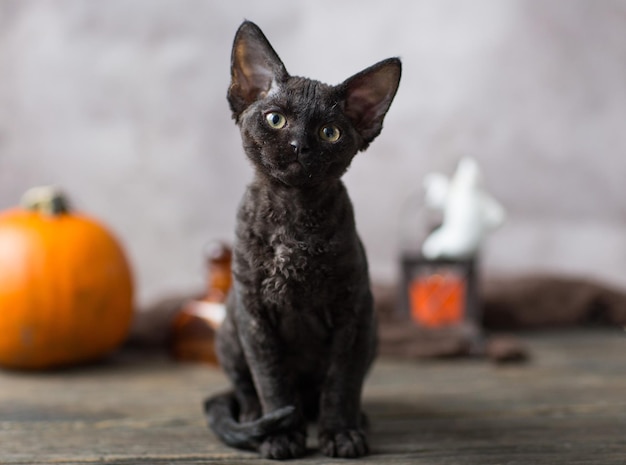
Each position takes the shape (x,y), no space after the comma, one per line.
(469,212)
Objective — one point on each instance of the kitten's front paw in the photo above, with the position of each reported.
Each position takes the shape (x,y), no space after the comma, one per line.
(284,446)
(349,443)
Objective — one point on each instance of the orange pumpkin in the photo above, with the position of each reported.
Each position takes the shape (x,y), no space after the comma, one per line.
(66,294)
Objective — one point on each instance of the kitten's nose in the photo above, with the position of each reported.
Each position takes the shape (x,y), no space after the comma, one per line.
(299,147)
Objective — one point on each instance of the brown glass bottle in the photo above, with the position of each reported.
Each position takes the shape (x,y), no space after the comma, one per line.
(195,324)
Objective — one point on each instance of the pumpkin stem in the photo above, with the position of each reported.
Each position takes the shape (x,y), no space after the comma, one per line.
(49,200)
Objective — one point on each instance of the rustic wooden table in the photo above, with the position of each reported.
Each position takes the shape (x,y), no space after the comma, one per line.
(566,406)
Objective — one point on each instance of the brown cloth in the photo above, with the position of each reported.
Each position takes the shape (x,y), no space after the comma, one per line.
(508,304)
(403,340)
(539,302)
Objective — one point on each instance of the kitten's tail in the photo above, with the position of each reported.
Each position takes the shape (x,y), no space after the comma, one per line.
(220,412)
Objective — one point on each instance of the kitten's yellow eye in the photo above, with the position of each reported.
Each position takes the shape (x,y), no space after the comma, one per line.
(276,120)
(330,133)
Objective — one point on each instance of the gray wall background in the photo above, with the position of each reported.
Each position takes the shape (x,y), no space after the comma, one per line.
(122,103)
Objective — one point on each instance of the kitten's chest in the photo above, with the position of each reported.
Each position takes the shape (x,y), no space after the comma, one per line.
(292,248)
(297,261)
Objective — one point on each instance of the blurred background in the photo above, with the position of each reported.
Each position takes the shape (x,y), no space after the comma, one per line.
(122,103)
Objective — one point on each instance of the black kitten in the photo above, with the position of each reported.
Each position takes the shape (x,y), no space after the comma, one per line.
(300,332)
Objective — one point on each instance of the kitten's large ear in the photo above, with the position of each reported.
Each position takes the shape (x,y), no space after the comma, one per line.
(368,95)
(255,67)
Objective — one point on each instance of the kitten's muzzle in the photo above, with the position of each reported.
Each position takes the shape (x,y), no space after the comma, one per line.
(299,147)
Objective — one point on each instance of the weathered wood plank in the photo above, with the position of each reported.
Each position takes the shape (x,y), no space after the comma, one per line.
(566,406)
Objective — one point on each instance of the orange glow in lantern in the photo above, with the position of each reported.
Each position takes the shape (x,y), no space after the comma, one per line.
(437,299)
